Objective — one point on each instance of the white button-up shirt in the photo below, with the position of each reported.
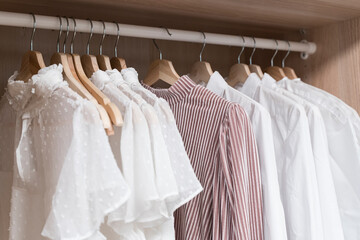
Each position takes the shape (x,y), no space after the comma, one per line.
(273,212)
(328,201)
(344,148)
(295,162)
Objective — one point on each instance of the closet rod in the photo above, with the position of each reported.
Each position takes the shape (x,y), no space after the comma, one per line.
(52,23)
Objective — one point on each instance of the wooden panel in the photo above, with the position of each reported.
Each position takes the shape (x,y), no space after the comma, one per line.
(336,65)
(206,15)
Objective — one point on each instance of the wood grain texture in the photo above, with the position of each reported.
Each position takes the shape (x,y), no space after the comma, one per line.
(225,14)
(336,65)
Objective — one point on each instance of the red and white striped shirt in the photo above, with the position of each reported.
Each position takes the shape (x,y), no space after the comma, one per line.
(220,143)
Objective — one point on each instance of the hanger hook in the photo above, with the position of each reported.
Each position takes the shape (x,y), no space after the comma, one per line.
(157,47)
(102,39)
(276,51)
(204,44)
(252,54)
(117,39)
(67,34)
(73,37)
(59,36)
(33,33)
(242,50)
(90,36)
(287,54)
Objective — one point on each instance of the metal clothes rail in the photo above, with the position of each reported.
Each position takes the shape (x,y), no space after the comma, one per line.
(52,23)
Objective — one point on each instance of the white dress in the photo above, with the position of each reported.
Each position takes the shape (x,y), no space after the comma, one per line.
(66,179)
(132,149)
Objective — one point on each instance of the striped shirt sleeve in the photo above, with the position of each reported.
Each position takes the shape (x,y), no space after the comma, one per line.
(239,203)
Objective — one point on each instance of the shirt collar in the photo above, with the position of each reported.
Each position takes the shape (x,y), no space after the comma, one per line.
(179,90)
(130,76)
(251,85)
(48,79)
(217,84)
(100,79)
(42,84)
(268,81)
(116,77)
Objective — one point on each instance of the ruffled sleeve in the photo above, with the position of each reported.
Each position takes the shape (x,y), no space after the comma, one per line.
(90,184)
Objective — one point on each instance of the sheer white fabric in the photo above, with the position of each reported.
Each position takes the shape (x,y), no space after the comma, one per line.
(328,201)
(344,149)
(273,211)
(65,176)
(165,178)
(132,149)
(187,182)
(295,163)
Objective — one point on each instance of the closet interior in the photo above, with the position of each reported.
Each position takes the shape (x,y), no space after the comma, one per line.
(186,120)
(332,25)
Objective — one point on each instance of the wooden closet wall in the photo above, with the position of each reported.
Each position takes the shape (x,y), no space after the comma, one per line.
(333,25)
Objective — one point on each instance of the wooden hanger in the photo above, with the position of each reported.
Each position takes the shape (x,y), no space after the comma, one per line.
(201,71)
(103,60)
(289,72)
(89,65)
(32,61)
(117,62)
(161,70)
(75,84)
(89,62)
(276,72)
(253,67)
(238,72)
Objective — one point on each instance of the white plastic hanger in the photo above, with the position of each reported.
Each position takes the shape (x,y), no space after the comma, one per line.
(238,72)
(32,61)
(201,71)
(276,72)
(255,68)
(161,70)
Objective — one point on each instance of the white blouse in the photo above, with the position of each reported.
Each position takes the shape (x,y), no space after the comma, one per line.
(165,178)
(66,179)
(132,149)
(187,182)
